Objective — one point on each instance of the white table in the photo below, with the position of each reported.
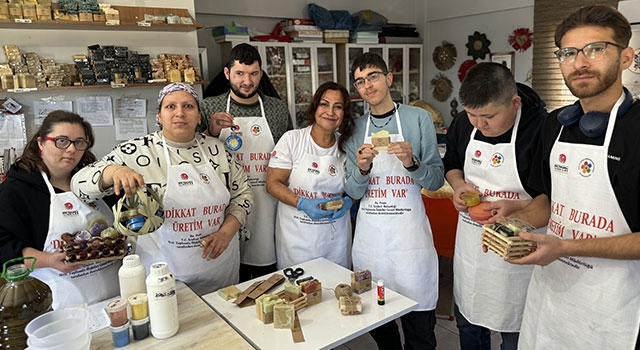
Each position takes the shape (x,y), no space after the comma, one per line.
(323,325)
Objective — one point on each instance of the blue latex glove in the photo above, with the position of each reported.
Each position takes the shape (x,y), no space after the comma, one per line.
(346,206)
(312,208)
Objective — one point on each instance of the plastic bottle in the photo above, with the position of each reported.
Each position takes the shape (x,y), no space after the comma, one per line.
(132,275)
(163,303)
(22,298)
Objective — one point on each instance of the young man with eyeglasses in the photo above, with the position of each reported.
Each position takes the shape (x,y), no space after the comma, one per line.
(392,234)
(584,294)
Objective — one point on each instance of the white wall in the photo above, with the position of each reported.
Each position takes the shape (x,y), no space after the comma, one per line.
(497,26)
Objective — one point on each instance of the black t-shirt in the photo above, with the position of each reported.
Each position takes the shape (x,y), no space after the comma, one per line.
(532,115)
(623,159)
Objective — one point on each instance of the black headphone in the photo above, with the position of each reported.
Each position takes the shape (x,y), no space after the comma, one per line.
(592,124)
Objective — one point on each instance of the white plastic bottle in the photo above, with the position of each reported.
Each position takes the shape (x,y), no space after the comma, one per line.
(163,303)
(131,276)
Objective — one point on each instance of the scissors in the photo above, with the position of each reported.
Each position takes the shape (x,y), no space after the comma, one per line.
(292,274)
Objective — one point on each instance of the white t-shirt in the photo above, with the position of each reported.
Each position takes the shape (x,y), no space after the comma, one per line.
(294,144)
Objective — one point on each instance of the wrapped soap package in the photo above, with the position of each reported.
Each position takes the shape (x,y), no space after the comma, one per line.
(264,307)
(350,305)
(361,281)
(313,290)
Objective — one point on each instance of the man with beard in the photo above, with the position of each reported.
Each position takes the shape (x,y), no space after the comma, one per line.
(250,124)
(586,166)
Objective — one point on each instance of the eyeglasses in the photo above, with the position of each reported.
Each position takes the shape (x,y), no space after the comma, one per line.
(371,77)
(590,51)
(64,143)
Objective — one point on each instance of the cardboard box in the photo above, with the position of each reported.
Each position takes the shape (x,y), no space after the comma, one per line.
(85,16)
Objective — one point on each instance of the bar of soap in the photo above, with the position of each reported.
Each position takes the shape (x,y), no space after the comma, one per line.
(350,305)
(470,198)
(332,205)
(228,293)
(313,290)
(284,316)
(380,139)
(292,290)
(266,302)
(361,281)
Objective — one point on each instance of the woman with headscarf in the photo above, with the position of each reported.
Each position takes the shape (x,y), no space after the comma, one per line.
(206,196)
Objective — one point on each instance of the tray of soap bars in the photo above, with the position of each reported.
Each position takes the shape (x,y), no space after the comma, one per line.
(97,243)
(502,237)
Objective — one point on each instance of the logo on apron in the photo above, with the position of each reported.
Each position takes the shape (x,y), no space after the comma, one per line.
(586,167)
(561,168)
(68,205)
(332,170)
(313,169)
(256,129)
(476,158)
(185,180)
(497,159)
(204,178)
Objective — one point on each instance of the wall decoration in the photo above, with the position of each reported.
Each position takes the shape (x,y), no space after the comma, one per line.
(521,39)
(454,107)
(444,56)
(464,67)
(442,87)
(507,59)
(635,66)
(478,45)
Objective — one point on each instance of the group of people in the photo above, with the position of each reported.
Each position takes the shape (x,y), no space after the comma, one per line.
(564,172)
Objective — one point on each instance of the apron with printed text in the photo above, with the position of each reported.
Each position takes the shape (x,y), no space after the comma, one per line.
(489,291)
(393,235)
(583,302)
(90,283)
(298,237)
(194,206)
(254,155)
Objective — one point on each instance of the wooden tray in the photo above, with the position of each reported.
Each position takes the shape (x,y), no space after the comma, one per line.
(508,247)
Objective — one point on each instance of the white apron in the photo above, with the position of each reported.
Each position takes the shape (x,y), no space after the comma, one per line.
(298,238)
(393,235)
(583,302)
(257,144)
(489,291)
(92,282)
(194,206)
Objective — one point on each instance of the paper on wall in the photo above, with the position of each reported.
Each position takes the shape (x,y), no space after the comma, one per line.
(42,108)
(128,128)
(131,108)
(97,110)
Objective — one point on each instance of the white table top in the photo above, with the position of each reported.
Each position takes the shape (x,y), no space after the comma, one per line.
(323,325)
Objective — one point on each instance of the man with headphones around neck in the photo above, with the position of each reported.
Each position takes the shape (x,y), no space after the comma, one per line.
(584,294)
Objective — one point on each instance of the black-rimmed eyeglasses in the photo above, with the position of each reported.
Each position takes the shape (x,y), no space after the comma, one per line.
(64,143)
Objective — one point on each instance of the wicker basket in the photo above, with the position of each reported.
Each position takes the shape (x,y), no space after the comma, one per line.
(145,204)
(502,238)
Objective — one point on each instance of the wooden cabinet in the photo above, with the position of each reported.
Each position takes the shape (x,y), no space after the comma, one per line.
(404,61)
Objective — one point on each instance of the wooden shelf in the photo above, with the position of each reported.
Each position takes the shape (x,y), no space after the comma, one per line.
(129,18)
(85,87)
